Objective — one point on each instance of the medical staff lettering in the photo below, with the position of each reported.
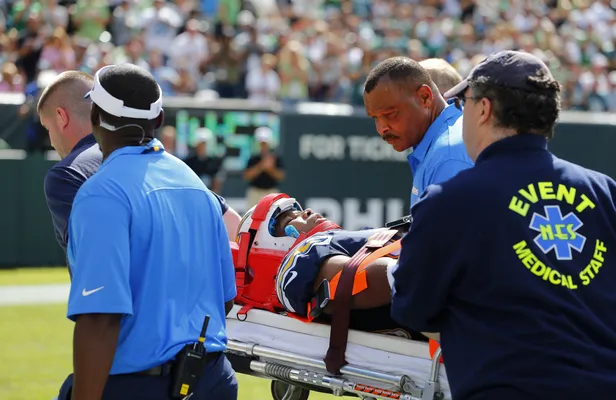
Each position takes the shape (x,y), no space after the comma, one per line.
(554,277)
(592,269)
(546,191)
(557,233)
(541,270)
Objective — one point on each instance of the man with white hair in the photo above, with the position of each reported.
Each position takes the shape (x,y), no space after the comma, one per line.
(442,73)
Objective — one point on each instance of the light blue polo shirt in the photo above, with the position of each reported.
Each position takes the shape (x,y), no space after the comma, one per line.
(147,240)
(441,154)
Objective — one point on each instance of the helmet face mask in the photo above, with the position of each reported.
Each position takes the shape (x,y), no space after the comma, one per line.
(265,238)
(280,209)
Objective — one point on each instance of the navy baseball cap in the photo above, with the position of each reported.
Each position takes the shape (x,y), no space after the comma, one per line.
(507,68)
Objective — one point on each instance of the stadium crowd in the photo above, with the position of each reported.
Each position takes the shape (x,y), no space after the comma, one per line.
(296,50)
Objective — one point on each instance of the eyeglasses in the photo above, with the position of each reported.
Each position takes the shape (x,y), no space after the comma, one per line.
(464,98)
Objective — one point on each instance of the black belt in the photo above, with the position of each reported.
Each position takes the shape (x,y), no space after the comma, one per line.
(165,369)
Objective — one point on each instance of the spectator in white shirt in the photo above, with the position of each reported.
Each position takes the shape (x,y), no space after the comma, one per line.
(263,83)
(160,23)
(189,48)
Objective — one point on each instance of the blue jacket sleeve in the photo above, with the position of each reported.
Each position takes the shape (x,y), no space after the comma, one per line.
(61,186)
(427,266)
(446,170)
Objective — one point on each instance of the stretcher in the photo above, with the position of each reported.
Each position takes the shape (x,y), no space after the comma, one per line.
(300,355)
(290,353)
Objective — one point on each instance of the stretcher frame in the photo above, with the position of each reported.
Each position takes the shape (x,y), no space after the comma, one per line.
(294,376)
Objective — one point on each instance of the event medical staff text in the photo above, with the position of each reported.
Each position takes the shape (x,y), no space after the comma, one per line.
(557,233)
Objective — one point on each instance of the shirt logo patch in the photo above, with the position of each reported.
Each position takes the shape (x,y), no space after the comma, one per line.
(557,235)
(415,191)
(85,292)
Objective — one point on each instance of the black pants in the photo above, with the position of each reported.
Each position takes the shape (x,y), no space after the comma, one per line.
(217,382)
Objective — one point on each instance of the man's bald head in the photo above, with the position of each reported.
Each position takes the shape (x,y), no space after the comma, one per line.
(64,112)
(442,73)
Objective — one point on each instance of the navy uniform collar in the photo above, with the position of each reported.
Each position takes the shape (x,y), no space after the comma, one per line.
(85,141)
(419,151)
(154,146)
(513,144)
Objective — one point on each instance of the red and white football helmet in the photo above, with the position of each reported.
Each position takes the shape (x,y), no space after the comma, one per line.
(258,253)
(264,238)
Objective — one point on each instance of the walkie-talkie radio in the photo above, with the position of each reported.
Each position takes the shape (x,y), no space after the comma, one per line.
(189,365)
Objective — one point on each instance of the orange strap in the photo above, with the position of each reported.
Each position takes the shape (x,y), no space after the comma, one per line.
(335,358)
(299,317)
(361,282)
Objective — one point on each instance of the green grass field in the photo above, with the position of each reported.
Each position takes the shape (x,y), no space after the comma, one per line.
(36,345)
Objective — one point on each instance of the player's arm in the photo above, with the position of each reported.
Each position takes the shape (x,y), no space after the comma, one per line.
(428,265)
(232,221)
(377,293)
(99,255)
(230,217)
(60,189)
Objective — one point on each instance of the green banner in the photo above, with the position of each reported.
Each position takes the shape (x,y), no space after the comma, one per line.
(339,166)
(27,230)
(233,131)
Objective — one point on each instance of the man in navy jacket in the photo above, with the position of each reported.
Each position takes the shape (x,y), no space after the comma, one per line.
(511,261)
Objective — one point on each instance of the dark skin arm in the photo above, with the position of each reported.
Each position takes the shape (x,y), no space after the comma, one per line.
(95,341)
(376,295)
(378,292)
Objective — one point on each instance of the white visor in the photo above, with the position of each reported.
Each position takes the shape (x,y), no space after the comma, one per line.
(116,107)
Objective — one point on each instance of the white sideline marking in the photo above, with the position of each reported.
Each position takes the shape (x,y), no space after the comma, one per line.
(34,294)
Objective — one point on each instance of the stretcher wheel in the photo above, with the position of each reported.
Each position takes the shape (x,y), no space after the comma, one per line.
(285,391)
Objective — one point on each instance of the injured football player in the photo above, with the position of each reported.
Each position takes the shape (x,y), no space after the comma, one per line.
(313,252)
